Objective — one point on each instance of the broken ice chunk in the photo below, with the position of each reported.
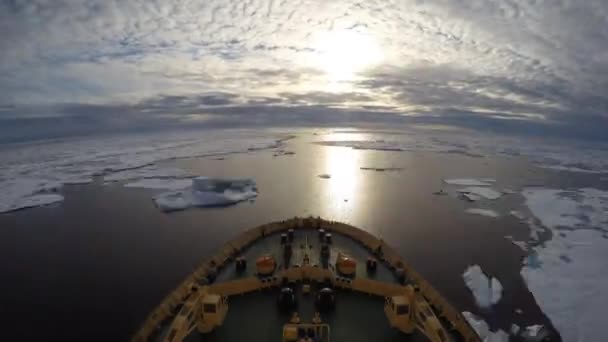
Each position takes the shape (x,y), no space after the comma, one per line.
(483,330)
(486,291)
(487,193)
(517,214)
(33,201)
(482,212)
(471,197)
(470,181)
(208,192)
(21,193)
(521,244)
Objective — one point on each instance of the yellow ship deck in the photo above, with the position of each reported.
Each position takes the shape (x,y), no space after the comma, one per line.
(252,300)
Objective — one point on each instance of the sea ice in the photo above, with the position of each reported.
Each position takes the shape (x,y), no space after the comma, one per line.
(149,171)
(557,154)
(484,192)
(28,168)
(280,153)
(208,192)
(482,212)
(161,183)
(24,193)
(567,274)
(33,201)
(479,325)
(485,291)
(521,244)
(381,169)
(379,145)
(471,197)
(571,169)
(470,181)
(483,330)
(517,214)
(533,330)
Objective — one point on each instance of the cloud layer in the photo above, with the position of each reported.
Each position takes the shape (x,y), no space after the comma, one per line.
(531,61)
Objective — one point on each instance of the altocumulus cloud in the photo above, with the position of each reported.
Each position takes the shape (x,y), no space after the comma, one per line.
(520,66)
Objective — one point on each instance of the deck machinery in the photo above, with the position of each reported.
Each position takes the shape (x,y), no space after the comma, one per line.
(305,280)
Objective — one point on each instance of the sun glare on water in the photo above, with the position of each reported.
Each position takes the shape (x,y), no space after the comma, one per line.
(342,54)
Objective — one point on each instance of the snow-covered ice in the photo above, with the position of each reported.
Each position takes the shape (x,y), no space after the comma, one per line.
(484,192)
(486,291)
(21,193)
(470,181)
(482,212)
(483,330)
(28,168)
(33,201)
(208,192)
(567,274)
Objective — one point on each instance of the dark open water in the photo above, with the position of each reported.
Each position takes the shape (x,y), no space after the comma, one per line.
(94,266)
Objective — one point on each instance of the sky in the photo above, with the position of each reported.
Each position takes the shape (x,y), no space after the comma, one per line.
(536,67)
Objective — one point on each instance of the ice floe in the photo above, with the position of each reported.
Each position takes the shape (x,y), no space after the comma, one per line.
(534,332)
(567,274)
(208,192)
(482,212)
(521,244)
(517,214)
(479,191)
(471,197)
(24,193)
(571,169)
(470,181)
(483,330)
(28,168)
(486,291)
(33,201)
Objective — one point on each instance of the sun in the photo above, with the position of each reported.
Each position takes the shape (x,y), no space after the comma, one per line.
(342,54)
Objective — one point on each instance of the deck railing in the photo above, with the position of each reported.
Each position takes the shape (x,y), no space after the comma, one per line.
(166,309)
